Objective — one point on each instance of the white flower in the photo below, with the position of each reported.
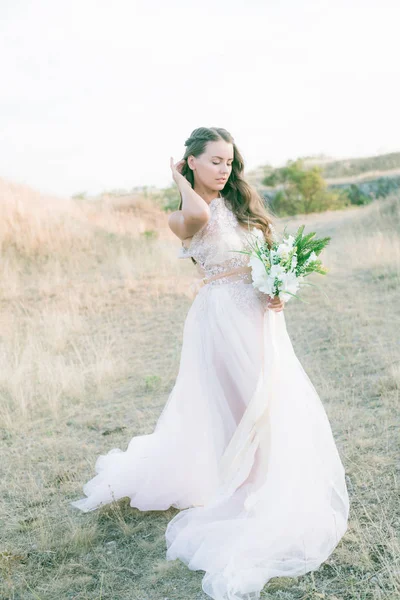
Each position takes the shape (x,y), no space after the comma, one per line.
(258,271)
(290,283)
(261,279)
(283,250)
(277,271)
(312,257)
(267,287)
(272,254)
(265,281)
(289,240)
(258,233)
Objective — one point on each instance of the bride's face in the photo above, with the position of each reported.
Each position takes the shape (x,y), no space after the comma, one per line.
(213,168)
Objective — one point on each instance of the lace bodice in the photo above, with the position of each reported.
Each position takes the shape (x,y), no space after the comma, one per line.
(212,245)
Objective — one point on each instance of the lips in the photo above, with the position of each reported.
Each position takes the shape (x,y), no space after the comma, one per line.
(221,179)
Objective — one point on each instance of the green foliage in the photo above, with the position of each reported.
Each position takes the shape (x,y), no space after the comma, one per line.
(302,190)
(170,198)
(385,186)
(80,196)
(152,382)
(150,234)
(356,196)
(306,245)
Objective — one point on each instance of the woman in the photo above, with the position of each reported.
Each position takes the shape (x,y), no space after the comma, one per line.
(243,443)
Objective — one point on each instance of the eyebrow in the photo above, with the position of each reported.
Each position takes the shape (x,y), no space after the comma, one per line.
(221,157)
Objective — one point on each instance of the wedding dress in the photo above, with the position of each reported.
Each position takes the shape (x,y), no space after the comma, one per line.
(243,445)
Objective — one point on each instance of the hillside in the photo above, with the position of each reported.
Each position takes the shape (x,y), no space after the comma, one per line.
(368,173)
(93,305)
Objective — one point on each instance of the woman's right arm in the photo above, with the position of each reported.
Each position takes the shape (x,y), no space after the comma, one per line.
(195,211)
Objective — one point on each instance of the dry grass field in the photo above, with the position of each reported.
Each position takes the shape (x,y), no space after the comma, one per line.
(93,302)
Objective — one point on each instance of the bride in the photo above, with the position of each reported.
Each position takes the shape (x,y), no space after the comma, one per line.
(243,445)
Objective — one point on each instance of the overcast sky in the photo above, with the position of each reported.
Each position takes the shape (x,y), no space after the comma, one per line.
(99,94)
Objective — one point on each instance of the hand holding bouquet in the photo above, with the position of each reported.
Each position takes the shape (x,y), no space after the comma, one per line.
(281,269)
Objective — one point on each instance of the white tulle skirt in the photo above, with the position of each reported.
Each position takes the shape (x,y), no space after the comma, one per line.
(244,445)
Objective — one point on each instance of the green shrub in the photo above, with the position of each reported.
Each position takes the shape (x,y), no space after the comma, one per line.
(302,191)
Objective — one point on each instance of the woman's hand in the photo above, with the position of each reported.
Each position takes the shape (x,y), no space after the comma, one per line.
(177,172)
(275,303)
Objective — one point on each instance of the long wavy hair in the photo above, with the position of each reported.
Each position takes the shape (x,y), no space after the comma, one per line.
(244,200)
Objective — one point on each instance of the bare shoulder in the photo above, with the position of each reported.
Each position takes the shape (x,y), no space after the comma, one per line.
(182,228)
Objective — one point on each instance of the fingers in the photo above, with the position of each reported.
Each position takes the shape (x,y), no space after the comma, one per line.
(275,308)
(275,304)
(178,164)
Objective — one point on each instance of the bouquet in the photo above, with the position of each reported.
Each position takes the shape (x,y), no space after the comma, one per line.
(281,269)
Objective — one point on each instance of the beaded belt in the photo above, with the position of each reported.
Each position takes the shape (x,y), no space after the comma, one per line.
(206,280)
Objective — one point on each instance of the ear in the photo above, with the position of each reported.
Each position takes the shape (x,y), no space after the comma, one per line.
(191,162)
